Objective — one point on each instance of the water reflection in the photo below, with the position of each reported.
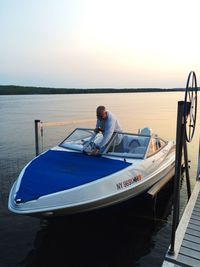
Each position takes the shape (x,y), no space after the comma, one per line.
(118,236)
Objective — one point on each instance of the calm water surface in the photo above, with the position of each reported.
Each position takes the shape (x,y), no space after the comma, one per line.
(136,233)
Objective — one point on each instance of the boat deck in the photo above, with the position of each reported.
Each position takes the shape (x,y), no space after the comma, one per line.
(187,242)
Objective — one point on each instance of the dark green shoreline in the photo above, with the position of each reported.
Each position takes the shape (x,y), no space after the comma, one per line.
(28,90)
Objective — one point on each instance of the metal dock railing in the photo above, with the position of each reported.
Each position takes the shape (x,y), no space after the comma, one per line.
(185,237)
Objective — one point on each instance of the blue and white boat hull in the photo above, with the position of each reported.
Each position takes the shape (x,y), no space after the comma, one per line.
(135,178)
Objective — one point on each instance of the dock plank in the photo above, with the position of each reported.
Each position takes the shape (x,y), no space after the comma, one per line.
(194,227)
(189,244)
(190,253)
(192,238)
(193,232)
(187,261)
(197,205)
(197,202)
(196,212)
(193,221)
(195,217)
(197,208)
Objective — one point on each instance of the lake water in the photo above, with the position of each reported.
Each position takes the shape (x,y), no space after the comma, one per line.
(136,233)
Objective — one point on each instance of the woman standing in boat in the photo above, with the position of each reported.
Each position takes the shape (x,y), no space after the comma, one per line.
(107,124)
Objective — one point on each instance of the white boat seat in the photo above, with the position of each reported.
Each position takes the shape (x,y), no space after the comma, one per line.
(140,150)
(130,143)
(145,131)
(143,141)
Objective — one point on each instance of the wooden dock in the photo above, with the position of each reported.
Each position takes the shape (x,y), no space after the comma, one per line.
(187,242)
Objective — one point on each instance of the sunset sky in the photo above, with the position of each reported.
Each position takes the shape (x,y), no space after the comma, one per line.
(99,43)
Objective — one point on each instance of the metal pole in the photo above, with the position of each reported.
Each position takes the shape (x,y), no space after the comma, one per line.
(37,137)
(198,168)
(179,146)
(187,169)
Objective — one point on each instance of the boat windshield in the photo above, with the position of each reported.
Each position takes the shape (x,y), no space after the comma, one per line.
(78,139)
(121,144)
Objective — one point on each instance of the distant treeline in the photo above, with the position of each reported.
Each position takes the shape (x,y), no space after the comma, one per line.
(26,90)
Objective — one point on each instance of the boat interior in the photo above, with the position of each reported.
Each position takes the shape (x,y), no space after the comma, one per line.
(140,145)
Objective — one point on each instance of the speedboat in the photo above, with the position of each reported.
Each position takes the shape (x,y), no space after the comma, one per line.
(67,179)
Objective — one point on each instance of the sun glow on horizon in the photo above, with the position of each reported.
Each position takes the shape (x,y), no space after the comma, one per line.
(90,43)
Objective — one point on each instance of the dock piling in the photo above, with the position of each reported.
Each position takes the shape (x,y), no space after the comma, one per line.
(37,137)
(178,160)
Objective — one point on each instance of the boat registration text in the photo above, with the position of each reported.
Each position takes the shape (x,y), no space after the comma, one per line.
(128,182)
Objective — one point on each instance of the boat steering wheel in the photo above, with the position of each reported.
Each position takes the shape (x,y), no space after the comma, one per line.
(190,106)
